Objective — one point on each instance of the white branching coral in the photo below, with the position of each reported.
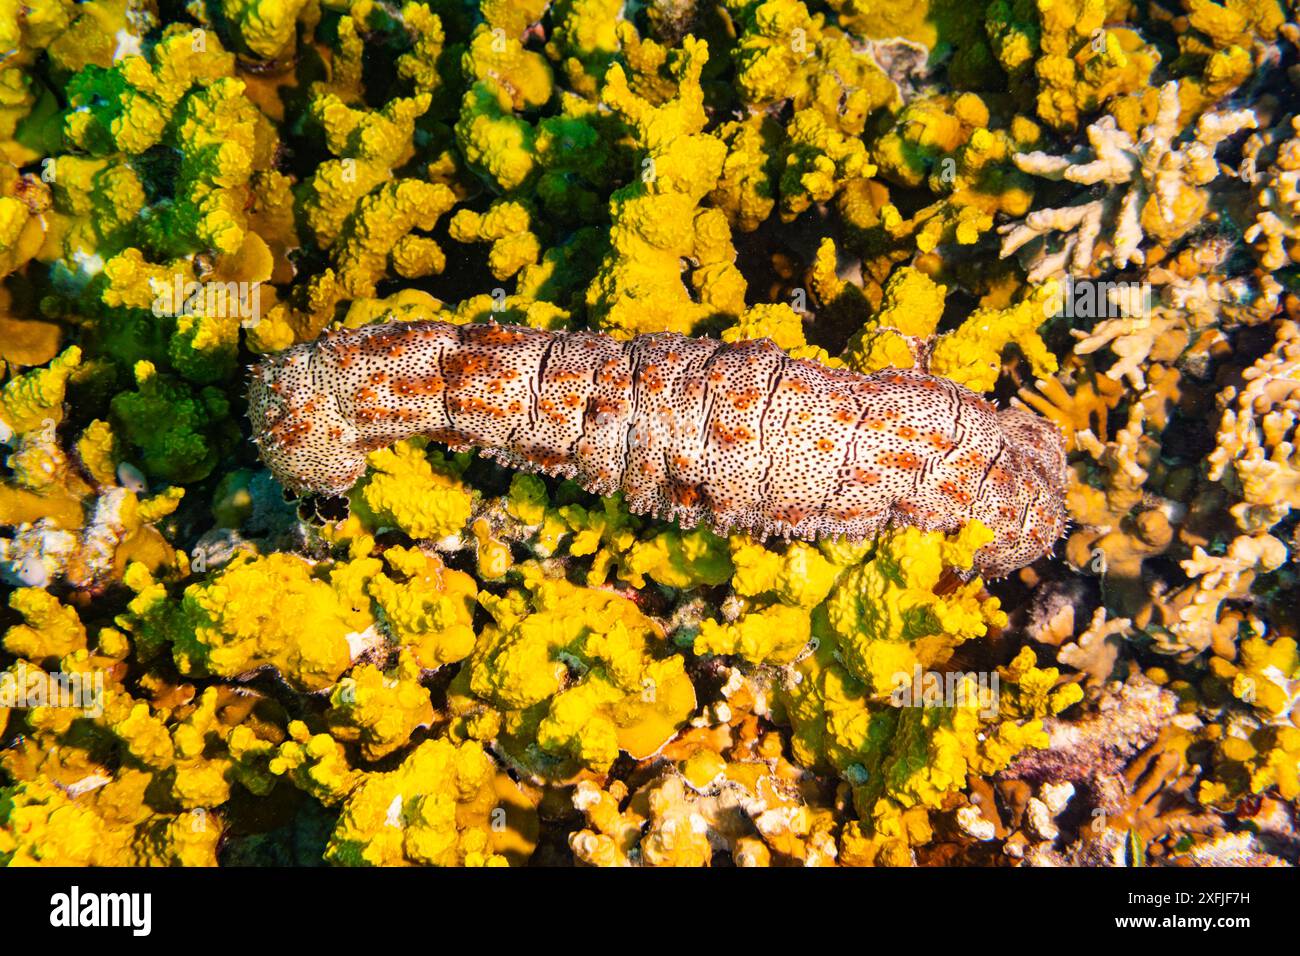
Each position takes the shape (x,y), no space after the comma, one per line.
(1193,618)
(1132,339)
(1275,233)
(1097,649)
(1180,323)
(1198,282)
(1246,554)
(1156,188)
(1255,453)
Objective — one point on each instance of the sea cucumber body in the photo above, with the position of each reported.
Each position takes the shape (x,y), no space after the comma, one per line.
(739,436)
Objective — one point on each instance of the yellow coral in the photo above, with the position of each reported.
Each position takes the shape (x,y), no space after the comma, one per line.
(41,825)
(255,612)
(1083,64)
(801,575)
(910,312)
(379,711)
(775,634)
(265,26)
(972,353)
(52,630)
(778,322)
(35,400)
(429,606)
(1267,675)
(435,809)
(886,617)
(657,220)
(506,225)
(623,697)
(403,489)
(678,559)
(316,764)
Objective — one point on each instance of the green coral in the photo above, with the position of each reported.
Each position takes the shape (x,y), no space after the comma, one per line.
(183,449)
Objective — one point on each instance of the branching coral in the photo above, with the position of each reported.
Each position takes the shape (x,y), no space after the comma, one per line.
(1255,453)
(1163,199)
(1275,230)
(656,219)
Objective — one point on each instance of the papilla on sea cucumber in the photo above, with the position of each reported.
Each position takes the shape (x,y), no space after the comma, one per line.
(739,436)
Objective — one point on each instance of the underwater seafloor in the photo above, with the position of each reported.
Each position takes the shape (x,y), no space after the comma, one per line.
(467,665)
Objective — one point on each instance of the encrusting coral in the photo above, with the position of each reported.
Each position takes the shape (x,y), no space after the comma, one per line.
(570,678)
(462,665)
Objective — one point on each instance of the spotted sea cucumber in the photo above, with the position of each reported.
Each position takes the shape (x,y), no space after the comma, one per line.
(740,436)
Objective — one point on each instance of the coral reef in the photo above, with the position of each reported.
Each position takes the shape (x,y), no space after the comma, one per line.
(459,664)
(1165,194)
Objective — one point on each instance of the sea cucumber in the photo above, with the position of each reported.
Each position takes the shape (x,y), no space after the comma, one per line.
(739,435)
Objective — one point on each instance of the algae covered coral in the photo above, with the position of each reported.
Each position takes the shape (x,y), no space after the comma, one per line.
(1080,207)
